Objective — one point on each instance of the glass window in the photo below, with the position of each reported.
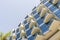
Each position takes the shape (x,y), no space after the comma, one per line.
(17,30)
(18,35)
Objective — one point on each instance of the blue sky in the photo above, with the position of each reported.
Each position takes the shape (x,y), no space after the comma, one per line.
(12,12)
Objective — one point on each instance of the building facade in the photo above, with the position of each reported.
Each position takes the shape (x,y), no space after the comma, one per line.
(42,24)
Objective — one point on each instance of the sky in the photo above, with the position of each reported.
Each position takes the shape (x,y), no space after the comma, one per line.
(12,12)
